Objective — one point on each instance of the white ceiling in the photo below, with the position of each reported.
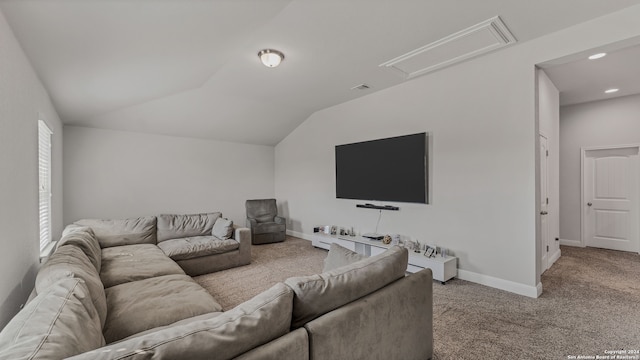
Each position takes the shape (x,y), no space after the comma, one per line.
(190,67)
(581,80)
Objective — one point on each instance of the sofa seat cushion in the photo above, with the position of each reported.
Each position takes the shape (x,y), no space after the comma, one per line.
(197,246)
(225,336)
(120,232)
(145,304)
(71,262)
(318,294)
(268,227)
(123,264)
(84,238)
(180,226)
(58,323)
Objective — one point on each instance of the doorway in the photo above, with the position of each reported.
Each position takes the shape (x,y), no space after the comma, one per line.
(611,197)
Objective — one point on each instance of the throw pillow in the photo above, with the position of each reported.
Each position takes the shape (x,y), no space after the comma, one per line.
(340,256)
(222,229)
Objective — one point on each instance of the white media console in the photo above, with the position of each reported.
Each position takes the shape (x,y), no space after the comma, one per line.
(443,268)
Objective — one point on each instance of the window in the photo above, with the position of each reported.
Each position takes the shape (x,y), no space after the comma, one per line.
(44,183)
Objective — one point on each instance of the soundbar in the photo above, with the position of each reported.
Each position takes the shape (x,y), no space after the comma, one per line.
(377,207)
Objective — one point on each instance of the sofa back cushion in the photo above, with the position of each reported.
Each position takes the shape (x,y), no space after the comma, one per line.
(181,226)
(58,323)
(83,238)
(120,232)
(395,322)
(225,336)
(71,262)
(262,210)
(318,294)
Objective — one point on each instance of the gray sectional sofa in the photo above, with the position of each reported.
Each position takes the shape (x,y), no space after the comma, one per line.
(112,294)
(199,243)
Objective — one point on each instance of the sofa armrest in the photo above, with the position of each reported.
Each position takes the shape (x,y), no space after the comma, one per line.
(279,220)
(243,236)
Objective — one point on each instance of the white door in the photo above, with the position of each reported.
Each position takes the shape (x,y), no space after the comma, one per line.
(610,198)
(544,203)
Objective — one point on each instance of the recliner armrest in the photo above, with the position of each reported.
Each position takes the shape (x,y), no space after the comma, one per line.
(251,223)
(280,220)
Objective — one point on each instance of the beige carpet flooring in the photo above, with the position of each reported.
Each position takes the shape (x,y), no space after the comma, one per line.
(270,264)
(590,304)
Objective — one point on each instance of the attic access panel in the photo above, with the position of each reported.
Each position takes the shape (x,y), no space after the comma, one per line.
(476,40)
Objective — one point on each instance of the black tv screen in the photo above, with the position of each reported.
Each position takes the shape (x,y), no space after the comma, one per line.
(391,169)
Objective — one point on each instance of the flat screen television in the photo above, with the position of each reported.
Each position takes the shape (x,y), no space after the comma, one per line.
(391,169)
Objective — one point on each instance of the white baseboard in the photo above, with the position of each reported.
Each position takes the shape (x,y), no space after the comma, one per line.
(555,257)
(299,235)
(506,285)
(567,242)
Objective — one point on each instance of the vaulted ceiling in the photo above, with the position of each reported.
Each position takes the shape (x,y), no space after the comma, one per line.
(190,67)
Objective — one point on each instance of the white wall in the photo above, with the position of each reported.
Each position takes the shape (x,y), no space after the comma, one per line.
(22,97)
(598,123)
(115,174)
(482,118)
(549,127)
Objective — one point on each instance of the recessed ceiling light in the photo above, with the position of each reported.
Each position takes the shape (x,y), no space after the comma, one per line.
(610,91)
(597,56)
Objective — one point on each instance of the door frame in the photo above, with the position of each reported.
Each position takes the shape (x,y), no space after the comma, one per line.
(583,153)
(544,230)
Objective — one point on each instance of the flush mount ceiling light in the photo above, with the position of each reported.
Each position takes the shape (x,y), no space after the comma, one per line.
(611,91)
(597,56)
(270,57)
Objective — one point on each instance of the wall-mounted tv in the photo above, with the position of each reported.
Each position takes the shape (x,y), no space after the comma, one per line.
(391,169)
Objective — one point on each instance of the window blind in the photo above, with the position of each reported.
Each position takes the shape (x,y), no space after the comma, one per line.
(44,182)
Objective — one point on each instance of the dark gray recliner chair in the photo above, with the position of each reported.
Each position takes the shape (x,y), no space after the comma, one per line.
(263,220)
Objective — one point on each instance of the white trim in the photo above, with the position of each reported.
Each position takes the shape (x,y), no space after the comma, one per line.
(568,242)
(486,280)
(506,285)
(45,159)
(47,251)
(553,258)
(299,235)
(545,236)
